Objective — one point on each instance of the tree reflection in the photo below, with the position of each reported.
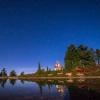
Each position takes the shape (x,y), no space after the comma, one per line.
(40,88)
(81,92)
(49,87)
(60,89)
(3,82)
(66,94)
(0,81)
(41,84)
(12,81)
(22,81)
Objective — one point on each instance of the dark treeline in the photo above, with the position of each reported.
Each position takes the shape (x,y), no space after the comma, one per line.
(3,73)
(81,56)
(75,56)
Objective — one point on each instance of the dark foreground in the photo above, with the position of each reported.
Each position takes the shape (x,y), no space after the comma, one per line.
(78,89)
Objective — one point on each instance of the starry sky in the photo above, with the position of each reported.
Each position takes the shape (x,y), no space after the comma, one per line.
(33,31)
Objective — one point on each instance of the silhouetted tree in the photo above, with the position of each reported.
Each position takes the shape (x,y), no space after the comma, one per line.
(3,72)
(47,69)
(39,71)
(13,73)
(22,73)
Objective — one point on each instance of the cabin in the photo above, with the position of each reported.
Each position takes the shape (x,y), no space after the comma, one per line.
(58,67)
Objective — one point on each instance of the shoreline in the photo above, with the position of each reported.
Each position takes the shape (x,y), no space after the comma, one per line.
(31,78)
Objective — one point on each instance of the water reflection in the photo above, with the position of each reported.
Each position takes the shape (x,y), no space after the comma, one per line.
(70,80)
(22,81)
(3,82)
(12,81)
(48,90)
(81,80)
(60,89)
(83,94)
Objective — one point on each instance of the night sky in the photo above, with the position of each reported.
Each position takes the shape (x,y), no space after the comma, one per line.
(33,31)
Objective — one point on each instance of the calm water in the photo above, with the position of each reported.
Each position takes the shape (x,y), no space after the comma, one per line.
(49,90)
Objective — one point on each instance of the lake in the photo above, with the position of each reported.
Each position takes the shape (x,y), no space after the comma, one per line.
(70,89)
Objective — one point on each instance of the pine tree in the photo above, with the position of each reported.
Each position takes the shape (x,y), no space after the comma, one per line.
(70,57)
(47,69)
(22,73)
(80,56)
(3,72)
(13,73)
(39,71)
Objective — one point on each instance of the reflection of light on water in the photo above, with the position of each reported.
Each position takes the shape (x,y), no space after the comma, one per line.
(81,80)
(70,80)
(61,81)
(60,89)
(63,91)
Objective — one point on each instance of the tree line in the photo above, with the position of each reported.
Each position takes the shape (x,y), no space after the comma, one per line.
(3,73)
(81,56)
(75,56)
